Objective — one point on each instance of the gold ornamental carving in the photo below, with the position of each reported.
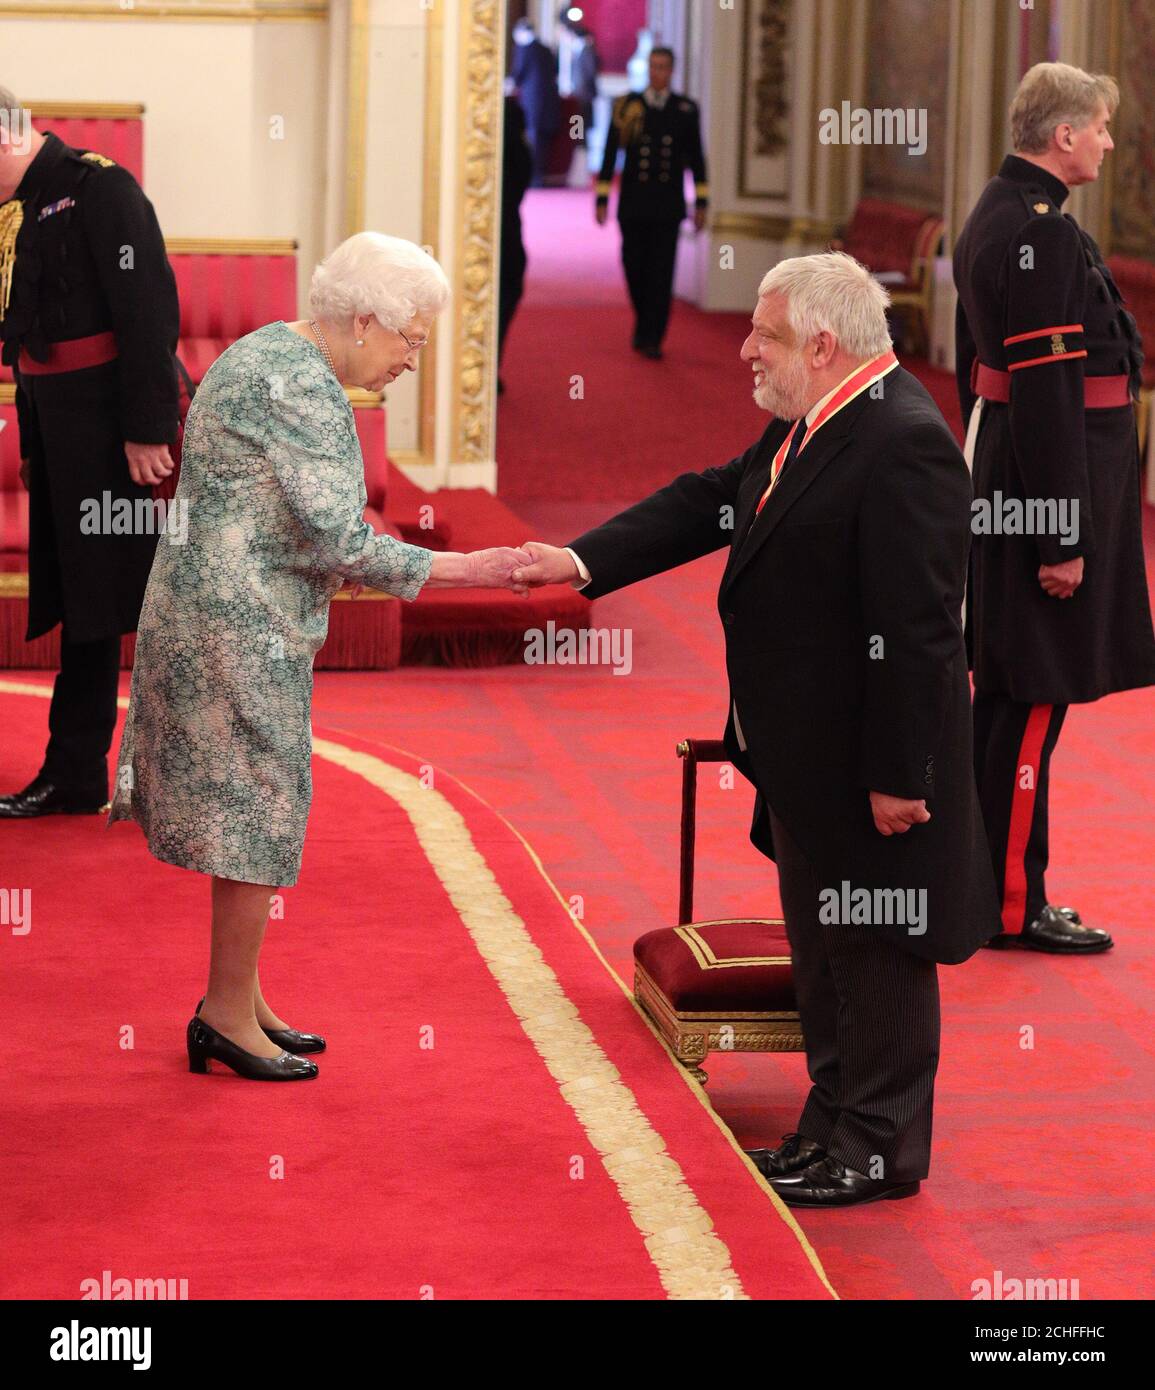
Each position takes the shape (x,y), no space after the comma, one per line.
(481,171)
(771,105)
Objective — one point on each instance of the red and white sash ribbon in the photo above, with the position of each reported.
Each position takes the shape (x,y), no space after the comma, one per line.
(859,380)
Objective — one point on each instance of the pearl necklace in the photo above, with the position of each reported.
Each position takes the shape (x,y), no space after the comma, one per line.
(324,346)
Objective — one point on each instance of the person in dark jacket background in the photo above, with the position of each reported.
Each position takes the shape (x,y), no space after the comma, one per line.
(89,320)
(534,73)
(516,171)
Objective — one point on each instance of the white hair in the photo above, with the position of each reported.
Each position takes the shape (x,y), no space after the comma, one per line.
(831,291)
(371,273)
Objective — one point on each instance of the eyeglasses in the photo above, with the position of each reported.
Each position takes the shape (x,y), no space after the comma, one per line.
(413,347)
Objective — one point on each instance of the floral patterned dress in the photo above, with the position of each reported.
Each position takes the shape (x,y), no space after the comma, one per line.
(215,759)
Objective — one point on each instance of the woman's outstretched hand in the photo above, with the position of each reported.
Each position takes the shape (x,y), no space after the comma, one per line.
(479,569)
(493,568)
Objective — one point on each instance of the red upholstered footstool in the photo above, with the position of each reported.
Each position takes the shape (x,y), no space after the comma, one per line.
(720,986)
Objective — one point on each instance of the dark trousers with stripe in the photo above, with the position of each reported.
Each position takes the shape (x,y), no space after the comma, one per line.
(1013,743)
(82,717)
(649,254)
(870,1017)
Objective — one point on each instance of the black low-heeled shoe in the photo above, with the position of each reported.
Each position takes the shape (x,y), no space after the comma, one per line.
(205,1043)
(290,1039)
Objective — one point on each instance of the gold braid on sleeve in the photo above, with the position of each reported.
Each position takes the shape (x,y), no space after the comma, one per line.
(11,220)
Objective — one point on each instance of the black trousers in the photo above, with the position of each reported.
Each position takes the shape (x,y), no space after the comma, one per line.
(540,141)
(649,253)
(870,1017)
(510,287)
(1013,744)
(82,716)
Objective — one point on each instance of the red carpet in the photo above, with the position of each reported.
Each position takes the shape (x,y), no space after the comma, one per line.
(474,627)
(1025,1138)
(1040,1160)
(637,423)
(493,1117)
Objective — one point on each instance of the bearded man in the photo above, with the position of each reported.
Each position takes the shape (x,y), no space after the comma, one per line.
(848,525)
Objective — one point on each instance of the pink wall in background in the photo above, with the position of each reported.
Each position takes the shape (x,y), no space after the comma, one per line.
(615,25)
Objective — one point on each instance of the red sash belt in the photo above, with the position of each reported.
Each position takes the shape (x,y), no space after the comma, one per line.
(1099,392)
(73,355)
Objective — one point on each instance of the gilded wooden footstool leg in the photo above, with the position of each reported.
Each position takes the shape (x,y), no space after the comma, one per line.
(690,1050)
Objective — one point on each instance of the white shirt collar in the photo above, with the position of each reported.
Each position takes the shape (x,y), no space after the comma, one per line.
(656,99)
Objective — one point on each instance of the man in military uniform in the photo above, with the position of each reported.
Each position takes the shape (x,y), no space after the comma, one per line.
(1058,603)
(89,321)
(660,133)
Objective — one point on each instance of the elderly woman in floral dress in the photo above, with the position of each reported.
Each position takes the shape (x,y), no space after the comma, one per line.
(215,760)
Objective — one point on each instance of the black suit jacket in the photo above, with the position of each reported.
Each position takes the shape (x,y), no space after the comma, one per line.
(841,606)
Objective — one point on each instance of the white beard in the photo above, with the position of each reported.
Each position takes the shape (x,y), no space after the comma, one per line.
(786,397)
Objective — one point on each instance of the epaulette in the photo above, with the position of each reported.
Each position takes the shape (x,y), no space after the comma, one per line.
(623,102)
(101,159)
(629,117)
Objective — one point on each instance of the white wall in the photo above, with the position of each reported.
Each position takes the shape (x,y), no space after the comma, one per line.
(209,90)
(394,164)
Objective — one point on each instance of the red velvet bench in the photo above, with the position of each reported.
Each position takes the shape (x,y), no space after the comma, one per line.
(898,245)
(720,986)
(113,129)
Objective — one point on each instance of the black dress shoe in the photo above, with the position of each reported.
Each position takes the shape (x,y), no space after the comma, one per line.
(793,1154)
(42,797)
(829,1183)
(1058,933)
(652,351)
(289,1038)
(205,1043)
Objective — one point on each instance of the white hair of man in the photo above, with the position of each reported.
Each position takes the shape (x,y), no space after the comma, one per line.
(371,273)
(832,292)
(1054,94)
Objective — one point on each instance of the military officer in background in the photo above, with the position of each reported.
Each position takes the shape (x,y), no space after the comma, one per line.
(1059,611)
(660,133)
(89,321)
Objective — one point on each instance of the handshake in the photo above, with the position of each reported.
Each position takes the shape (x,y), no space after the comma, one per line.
(503,567)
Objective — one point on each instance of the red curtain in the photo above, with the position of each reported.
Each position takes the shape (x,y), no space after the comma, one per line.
(615,25)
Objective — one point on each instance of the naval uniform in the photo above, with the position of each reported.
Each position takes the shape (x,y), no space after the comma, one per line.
(1044,341)
(662,138)
(89,320)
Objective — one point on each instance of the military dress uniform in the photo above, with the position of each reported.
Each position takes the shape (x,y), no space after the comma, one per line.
(89,320)
(662,138)
(1045,343)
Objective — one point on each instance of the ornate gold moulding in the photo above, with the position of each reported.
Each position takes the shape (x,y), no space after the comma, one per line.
(766,227)
(214,11)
